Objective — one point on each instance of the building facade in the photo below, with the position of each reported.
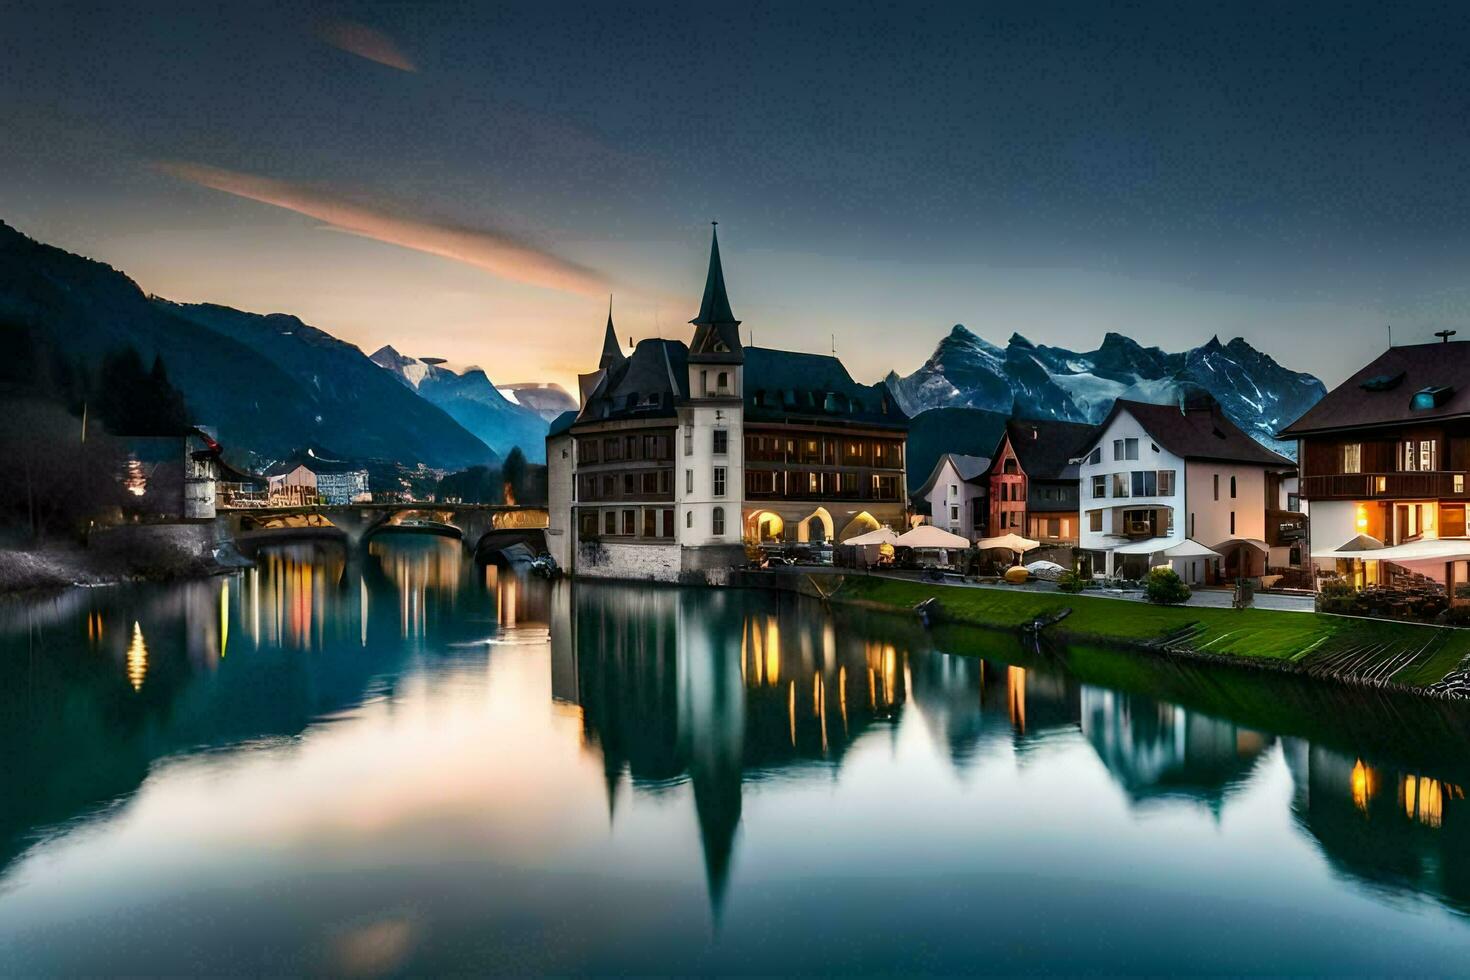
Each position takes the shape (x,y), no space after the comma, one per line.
(1032,485)
(957,496)
(1385,458)
(680,455)
(1155,476)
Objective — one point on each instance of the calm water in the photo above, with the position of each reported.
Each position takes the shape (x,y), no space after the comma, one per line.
(406,764)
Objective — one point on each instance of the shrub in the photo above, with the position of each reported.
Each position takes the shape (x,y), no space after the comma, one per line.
(1165,587)
(1071,582)
(1017,574)
(1336,596)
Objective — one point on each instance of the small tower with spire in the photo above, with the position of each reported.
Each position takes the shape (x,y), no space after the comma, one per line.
(711,421)
(612,354)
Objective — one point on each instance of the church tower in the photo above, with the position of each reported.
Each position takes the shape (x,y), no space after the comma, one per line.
(713,480)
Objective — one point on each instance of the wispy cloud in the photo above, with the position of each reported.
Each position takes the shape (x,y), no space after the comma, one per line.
(365,42)
(494,251)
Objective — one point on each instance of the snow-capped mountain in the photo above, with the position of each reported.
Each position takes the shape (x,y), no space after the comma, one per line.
(471,400)
(1036,381)
(545,398)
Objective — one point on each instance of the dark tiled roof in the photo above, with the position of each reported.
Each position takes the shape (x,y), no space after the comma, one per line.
(1351,406)
(785,386)
(1046,447)
(650,383)
(1202,432)
(969,468)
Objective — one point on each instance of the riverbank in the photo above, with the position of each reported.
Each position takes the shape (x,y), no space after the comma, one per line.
(1423,659)
(158,552)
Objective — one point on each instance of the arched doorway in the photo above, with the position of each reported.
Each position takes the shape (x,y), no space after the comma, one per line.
(765,526)
(861,524)
(815,528)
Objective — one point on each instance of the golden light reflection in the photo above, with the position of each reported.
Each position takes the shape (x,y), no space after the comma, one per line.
(1424,798)
(842,696)
(94,627)
(791,710)
(137,658)
(1365,785)
(1016,697)
(224,617)
(419,572)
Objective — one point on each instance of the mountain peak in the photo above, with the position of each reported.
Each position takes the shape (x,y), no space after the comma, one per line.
(961,332)
(1018,341)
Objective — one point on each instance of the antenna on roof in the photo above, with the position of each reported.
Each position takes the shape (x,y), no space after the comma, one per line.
(1390,333)
(1444,335)
(834,345)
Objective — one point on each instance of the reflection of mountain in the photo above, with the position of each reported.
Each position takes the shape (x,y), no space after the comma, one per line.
(120,678)
(1403,833)
(1157,750)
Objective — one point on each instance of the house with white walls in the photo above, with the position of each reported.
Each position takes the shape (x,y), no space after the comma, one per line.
(1165,484)
(956,494)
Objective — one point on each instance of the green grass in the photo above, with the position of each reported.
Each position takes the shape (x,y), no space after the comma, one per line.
(1304,639)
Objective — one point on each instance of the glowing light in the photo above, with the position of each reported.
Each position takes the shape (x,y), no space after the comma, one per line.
(224,617)
(1362,518)
(1365,785)
(137,658)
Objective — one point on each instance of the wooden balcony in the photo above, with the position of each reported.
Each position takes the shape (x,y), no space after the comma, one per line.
(1432,485)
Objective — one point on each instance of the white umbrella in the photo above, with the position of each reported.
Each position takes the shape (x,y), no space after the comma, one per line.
(1010,542)
(929,536)
(1190,548)
(882,535)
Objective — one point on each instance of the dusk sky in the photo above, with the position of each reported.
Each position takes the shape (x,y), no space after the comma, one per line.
(470,181)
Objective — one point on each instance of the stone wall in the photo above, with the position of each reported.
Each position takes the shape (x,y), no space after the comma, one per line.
(633,562)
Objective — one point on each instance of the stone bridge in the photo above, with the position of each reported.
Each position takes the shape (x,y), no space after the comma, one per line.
(479,526)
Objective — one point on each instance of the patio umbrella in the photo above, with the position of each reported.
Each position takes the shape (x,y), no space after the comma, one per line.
(1010,542)
(882,535)
(1190,548)
(929,536)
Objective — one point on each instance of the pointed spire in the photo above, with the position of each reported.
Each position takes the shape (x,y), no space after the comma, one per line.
(717,332)
(612,354)
(715,309)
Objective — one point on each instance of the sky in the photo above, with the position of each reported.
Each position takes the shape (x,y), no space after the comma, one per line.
(471,181)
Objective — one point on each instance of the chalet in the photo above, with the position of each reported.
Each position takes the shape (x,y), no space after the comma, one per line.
(1169,484)
(679,454)
(1384,459)
(955,495)
(1032,484)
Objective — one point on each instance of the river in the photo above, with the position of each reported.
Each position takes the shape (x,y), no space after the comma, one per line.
(404,763)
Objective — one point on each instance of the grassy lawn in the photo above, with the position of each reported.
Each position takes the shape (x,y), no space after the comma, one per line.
(1410,653)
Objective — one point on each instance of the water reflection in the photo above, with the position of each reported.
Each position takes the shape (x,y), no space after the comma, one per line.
(785,740)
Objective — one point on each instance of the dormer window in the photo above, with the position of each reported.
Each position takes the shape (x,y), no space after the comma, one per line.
(1430,398)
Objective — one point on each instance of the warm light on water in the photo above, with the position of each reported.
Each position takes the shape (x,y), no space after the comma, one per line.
(407,764)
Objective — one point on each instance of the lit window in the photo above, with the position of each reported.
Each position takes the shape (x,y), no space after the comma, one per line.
(1352,457)
(1459,483)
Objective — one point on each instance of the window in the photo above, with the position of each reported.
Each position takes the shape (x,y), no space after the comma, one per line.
(722,441)
(610,522)
(1294,501)
(627,484)
(1352,457)
(1095,456)
(1099,486)
(1166,483)
(1232,488)
(719,522)
(689,441)
(1191,524)
(650,483)
(688,481)
(650,522)
(1217,486)
(1459,484)
(689,518)
(668,522)
(704,382)
(1120,484)
(1094,520)
(1125,448)
(1145,483)
(1053,527)
(1232,522)
(630,522)
(720,481)
(954,491)
(1420,455)
(722,382)
(587,524)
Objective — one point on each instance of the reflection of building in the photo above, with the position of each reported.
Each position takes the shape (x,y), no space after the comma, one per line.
(1404,832)
(680,452)
(1153,476)
(1158,750)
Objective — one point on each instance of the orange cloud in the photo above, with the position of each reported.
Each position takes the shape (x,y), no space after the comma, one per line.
(365,42)
(493,251)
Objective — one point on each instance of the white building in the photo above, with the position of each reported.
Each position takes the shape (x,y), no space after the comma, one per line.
(1157,476)
(956,493)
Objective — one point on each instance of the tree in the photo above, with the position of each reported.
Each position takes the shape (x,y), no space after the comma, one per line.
(132,401)
(52,482)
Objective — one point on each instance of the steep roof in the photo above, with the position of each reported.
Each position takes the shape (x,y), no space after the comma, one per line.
(1200,431)
(612,352)
(969,468)
(561,424)
(647,384)
(717,332)
(1045,447)
(1399,373)
(787,386)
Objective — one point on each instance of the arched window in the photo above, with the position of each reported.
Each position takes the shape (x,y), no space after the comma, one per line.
(689,518)
(719,522)
(722,381)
